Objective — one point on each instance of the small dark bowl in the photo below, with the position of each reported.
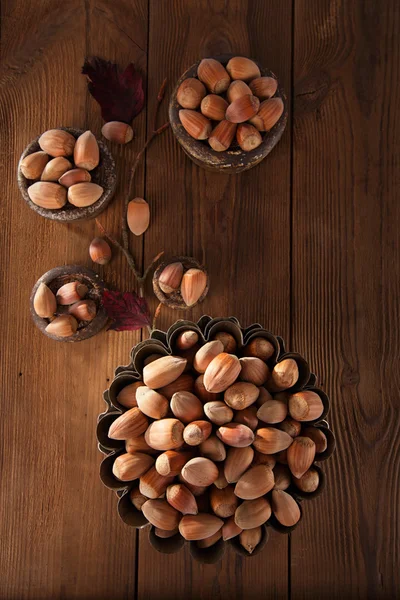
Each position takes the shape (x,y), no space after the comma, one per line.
(169,545)
(104,174)
(57,277)
(175,299)
(238,548)
(235,159)
(210,555)
(300,495)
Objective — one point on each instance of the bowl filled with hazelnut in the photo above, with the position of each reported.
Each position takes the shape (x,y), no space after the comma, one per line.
(66,304)
(67,175)
(228,113)
(211,435)
(181,282)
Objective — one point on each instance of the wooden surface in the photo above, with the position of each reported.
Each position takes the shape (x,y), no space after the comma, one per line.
(306,244)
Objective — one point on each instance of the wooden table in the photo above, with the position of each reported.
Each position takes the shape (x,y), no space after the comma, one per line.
(306,244)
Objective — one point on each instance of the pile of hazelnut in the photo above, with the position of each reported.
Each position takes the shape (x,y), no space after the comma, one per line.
(217,441)
(233,101)
(66,310)
(59,173)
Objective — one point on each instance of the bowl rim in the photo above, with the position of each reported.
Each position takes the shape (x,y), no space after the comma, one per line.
(71,214)
(235,160)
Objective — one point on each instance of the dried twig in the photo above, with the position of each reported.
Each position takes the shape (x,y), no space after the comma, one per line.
(124,247)
(140,278)
(156,315)
(117,244)
(154,133)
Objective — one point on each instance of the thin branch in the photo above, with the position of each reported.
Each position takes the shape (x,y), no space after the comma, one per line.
(154,133)
(156,315)
(151,265)
(128,255)
(160,97)
(124,247)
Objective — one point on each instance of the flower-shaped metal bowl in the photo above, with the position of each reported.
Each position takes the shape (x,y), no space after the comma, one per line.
(59,276)
(235,159)
(104,174)
(164,343)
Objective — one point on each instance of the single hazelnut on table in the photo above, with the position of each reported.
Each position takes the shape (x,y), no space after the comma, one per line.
(118,132)
(138,216)
(100,251)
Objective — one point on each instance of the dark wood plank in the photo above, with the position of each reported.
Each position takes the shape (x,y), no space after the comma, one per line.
(235,225)
(61,535)
(346,288)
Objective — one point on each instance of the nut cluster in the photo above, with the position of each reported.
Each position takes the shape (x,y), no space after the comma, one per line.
(66,310)
(234,101)
(216,440)
(59,173)
(189,283)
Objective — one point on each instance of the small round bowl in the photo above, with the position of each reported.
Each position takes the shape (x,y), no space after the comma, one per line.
(175,299)
(235,159)
(57,277)
(104,174)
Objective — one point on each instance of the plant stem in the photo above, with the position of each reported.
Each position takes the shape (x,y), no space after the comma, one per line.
(116,243)
(124,247)
(156,315)
(131,261)
(154,133)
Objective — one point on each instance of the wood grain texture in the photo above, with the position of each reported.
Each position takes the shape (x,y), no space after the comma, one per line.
(306,244)
(60,533)
(346,288)
(234,225)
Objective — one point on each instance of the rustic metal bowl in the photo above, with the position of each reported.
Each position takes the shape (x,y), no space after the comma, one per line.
(57,277)
(164,343)
(235,159)
(104,174)
(175,299)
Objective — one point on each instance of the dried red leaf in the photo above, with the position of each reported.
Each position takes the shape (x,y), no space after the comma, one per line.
(127,310)
(120,94)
